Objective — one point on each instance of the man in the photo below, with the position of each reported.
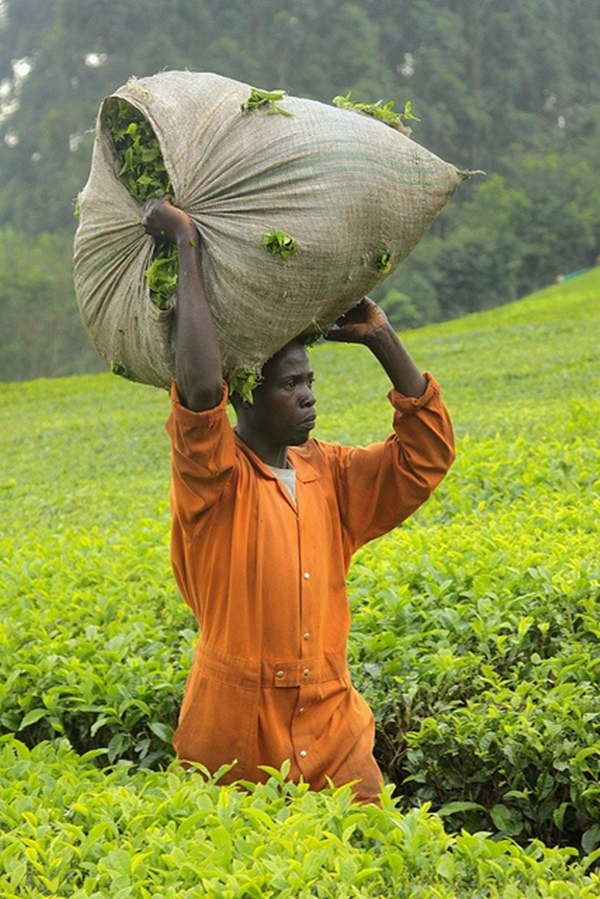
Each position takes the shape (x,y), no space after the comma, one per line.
(265,522)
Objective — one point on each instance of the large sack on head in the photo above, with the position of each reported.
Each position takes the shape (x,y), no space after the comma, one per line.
(354,194)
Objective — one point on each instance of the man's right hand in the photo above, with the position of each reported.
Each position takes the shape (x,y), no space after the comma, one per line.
(164,221)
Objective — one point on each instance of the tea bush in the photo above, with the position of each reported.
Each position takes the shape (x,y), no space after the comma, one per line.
(475,633)
(68,830)
(476,625)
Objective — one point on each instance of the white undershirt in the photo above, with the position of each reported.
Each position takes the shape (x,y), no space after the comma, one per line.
(287,476)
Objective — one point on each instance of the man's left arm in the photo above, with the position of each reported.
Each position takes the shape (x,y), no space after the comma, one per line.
(366,323)
(384,483)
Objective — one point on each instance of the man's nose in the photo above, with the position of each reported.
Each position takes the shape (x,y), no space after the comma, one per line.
(308,397)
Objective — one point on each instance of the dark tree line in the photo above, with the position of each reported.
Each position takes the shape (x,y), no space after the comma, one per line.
(510,88)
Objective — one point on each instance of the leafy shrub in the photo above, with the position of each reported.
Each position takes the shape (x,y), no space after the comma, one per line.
(67,829)
(475,625)
(475,629)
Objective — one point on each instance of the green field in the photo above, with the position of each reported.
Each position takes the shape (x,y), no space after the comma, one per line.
(476,641)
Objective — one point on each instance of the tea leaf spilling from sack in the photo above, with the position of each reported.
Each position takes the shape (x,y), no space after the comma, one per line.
(161,275)
(278,243)
(383,112)
(142,170)
(383,261)
(118,369)
(145,176)
(244,382)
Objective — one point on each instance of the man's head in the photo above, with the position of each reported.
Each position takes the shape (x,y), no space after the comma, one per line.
(283,409)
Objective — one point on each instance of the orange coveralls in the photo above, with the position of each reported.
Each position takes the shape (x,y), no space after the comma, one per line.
(265,579)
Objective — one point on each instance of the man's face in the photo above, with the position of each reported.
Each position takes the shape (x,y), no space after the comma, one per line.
(284,404)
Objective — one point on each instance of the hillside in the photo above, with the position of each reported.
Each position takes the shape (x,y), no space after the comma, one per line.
(528,364)
(475,630)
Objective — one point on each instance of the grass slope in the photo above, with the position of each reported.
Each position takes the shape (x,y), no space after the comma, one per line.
(475,634)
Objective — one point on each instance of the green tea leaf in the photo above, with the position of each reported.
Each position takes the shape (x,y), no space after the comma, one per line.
(162,276)
(121,370)
(32,716)
(383,261)
(383,112)
(267,100)
(451,808)
(244,382)
(278,243)
(143,172)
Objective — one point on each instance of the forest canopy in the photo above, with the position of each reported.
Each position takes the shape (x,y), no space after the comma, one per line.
(510,89)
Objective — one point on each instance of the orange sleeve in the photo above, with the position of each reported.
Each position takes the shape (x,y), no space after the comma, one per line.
(202,457)
(379,486)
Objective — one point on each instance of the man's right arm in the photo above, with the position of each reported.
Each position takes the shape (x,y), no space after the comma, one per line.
(197,356)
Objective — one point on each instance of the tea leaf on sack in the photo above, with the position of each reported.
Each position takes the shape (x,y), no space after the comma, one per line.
(267,100)
(383,112)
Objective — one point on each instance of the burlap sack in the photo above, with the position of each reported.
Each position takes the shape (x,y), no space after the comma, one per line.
(344,186)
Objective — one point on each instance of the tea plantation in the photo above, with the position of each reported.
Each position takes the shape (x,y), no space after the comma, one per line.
(476,640)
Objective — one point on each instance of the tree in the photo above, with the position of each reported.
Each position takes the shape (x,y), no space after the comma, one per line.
(39,320)
(493,90)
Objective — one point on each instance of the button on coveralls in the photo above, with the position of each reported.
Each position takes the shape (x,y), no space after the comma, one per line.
(265,579)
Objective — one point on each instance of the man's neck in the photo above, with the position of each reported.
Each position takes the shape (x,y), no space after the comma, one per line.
(267,452)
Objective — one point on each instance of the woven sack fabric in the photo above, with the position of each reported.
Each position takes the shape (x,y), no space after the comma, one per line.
(346,187)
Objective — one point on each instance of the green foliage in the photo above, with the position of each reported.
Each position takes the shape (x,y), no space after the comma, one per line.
(162,275)
(40,327)
(278,243)
(400,309)
(145,176)
(498,244)
(268,101)
(383,112)
(67,829)
(244,382)
(502,246)
(142,169)
(475,639)
(408,295)
(117,368)
(383,262)
(76,667)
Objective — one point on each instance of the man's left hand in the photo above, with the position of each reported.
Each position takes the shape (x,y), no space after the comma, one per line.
(360,324)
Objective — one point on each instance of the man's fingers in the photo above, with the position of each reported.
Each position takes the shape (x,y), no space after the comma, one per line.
(334,334)
(349,334)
